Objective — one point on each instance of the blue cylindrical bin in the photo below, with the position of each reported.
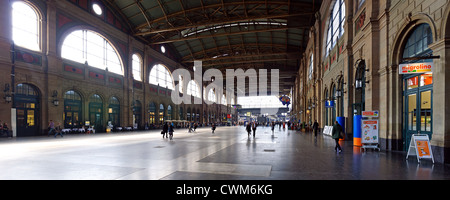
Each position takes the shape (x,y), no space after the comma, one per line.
(357,120)
(341,121)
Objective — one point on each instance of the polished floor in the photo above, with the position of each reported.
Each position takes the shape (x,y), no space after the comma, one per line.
(229,154)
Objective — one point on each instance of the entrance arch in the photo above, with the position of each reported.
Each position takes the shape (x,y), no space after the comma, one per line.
(27,104)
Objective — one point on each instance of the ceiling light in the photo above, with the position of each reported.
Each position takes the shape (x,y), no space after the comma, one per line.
(97,9)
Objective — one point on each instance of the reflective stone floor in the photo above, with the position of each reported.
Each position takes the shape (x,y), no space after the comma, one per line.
(226,155)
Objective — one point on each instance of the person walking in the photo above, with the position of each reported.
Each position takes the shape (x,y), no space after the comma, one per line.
(58,130)
(165,129)
(249,129)
(273,126)
(254,129)
(171,130)
(51,127)
(213,127)
(315,127)
(336,135)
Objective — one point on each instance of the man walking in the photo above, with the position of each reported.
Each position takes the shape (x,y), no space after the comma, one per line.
(336,135)
(315,127)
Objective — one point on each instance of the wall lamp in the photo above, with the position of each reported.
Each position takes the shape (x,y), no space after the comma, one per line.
(55,95)
(7,97)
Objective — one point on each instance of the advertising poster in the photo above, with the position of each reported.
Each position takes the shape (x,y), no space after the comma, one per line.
(369,132)
(423,149)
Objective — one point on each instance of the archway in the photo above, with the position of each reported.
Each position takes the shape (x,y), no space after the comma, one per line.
(27,104)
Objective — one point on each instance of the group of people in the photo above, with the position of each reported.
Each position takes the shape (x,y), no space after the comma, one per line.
(337,133)
(56,130)
(168,130)
(4,130)
(252,126)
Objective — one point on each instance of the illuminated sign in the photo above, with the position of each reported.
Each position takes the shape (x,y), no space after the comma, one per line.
(416,68)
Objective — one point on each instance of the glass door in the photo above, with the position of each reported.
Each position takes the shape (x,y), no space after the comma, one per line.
(425,122)
(411,118)
(418,113)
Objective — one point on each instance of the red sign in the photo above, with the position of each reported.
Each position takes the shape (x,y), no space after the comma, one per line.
(229,116)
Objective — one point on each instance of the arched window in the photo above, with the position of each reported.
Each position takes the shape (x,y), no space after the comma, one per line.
(137,67)
(25,26)
(72,109)
(161,113)
(224,100)
(160,75)
(85,46)
(96,112)
(169,112)
(311,67)
(193,89)
(212,95)
(151,112)
(333,109)
(335,26)
(27,104)
(114,111)
(417,45)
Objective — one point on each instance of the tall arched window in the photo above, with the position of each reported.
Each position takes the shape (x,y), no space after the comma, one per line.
(169,112)
(224,100)
(161,113)
(161,76)
(86,46)
(25,26)
(311,67)
(114,111)
(335,26)
(193,89)
(151,113)
(72,109)
(212,95)
(137,67)
(96,111)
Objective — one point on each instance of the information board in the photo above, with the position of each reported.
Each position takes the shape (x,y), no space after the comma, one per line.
(420,147)
(370,131)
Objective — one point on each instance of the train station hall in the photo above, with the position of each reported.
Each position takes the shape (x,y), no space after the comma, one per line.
(224,90)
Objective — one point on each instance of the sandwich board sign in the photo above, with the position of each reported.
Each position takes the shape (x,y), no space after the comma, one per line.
(420,146)
(370,132)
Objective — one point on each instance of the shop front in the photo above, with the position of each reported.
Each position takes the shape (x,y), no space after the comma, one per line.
(416,72)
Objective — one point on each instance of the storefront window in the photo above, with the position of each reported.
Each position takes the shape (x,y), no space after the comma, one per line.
(426,79)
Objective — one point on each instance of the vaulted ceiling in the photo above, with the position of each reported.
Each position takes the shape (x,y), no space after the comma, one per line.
(226,34)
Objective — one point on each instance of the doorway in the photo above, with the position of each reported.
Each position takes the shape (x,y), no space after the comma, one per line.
(418,112)
(27,106)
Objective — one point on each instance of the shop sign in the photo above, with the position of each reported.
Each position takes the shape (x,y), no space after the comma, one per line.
(370,113)
(416,68)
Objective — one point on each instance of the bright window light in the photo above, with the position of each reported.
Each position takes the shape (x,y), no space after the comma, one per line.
(260,102)
(25,26)
(88,46)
